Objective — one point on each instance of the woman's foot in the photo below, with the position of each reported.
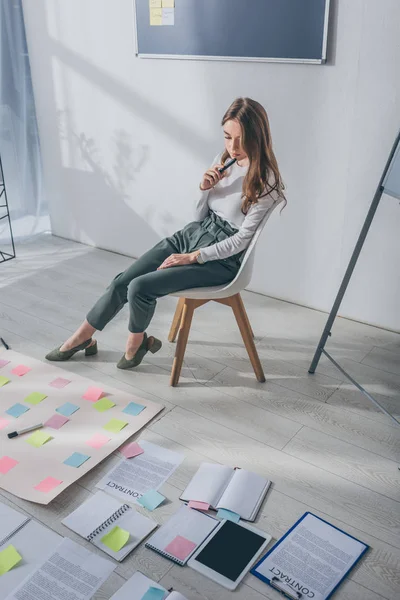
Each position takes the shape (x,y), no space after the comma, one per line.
(89,346)
(133,343)
(135,353)
(74,341)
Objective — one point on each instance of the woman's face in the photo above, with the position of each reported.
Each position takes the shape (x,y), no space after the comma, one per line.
(233,140)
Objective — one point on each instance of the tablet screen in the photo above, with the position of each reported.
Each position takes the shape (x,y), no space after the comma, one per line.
(230,550)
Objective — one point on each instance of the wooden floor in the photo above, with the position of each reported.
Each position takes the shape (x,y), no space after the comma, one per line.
(323,445)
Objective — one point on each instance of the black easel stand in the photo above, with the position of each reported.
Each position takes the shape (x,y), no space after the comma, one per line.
(327,331)
(4,205)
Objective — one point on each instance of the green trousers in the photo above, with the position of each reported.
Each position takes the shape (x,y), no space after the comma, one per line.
(141,284)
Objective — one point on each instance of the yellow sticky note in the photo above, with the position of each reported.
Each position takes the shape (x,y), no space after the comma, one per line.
(3,380)
(155,16)
(35,398)
(168,3)
(115,425)
(103,404)
(115,539)
(9,557)
(38,438)
(155,3)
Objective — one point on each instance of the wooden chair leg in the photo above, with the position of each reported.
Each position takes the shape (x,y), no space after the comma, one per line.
(246,315)
(176,321)
(243,323)
(184,328)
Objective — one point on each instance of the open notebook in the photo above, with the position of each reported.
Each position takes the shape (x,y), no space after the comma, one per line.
(139,586)
(182,534)
(237,490)
(97,518)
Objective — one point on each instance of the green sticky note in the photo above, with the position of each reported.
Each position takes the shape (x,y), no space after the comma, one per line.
(9,557)
(103,404)
(115,425)
(35,398)
(38,438)
(3,380)
(115,539)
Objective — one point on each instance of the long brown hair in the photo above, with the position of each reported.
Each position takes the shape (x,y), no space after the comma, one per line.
(257,144)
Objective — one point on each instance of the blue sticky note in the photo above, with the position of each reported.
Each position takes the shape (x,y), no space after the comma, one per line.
(154,593)
(17,410)
(76,459)
(228,515)
(151,500)
(67,409)
(133,409)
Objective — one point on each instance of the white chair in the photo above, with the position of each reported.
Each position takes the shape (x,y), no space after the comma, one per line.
(229,295)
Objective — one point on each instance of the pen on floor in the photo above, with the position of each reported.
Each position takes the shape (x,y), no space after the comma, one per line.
(14,434)
(6,346)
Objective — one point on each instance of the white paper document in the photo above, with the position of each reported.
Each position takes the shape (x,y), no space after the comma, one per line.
(133,477)
(311,560)
(71,572)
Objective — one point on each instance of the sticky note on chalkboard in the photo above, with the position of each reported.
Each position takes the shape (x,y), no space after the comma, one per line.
(155,16)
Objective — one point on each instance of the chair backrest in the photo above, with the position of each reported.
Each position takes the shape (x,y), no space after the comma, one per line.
(245,272)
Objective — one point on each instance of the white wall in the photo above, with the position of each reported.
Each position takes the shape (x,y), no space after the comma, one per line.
(125,140)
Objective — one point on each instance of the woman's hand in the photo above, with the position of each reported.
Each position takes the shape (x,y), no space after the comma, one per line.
(212,177)
(176,260)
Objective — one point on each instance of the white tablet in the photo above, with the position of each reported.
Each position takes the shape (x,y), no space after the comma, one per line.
(229,552)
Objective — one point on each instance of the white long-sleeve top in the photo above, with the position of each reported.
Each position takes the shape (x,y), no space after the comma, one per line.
(225,199)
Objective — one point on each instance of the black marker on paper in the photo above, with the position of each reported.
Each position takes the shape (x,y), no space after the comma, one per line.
(228,164)
(6,346)
(13,434)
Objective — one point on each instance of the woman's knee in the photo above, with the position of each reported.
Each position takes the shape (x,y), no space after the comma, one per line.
(137,287)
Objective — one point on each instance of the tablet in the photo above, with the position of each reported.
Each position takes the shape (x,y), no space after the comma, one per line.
(229,552)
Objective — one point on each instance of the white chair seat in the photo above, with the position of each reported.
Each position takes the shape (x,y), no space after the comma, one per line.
(194,297)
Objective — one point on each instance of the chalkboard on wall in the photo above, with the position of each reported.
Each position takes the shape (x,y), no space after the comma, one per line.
(255,30)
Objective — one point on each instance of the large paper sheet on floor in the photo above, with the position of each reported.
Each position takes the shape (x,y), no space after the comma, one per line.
(81,432)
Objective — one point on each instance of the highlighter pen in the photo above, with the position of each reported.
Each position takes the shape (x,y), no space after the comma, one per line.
(31,428)
(228,164)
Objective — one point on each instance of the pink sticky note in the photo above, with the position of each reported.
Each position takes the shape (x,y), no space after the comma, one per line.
(93,394)
(199,505)
(21,370)
(60,382)
(98,440)
(3,362)
(180,547)
(131,450)
(7,463)
(47,484)
(56,421)
(3,423)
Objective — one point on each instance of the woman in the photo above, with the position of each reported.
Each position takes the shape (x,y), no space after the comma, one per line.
(206,252)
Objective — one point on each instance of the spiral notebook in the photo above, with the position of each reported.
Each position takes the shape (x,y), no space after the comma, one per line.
(182,534)
(97,518)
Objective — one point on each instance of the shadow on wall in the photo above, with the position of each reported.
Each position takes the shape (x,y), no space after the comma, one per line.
(105,195)
(105,191)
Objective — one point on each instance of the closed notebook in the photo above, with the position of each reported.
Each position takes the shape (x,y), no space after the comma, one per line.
(11,521)
(33,541)
(138,586)
(96,519)
(182,534)
(237,490)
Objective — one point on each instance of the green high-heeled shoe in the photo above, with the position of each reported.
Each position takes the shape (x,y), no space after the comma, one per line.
(57,355)
(141,352)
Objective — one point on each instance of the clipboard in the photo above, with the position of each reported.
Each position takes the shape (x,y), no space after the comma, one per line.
(313,542)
